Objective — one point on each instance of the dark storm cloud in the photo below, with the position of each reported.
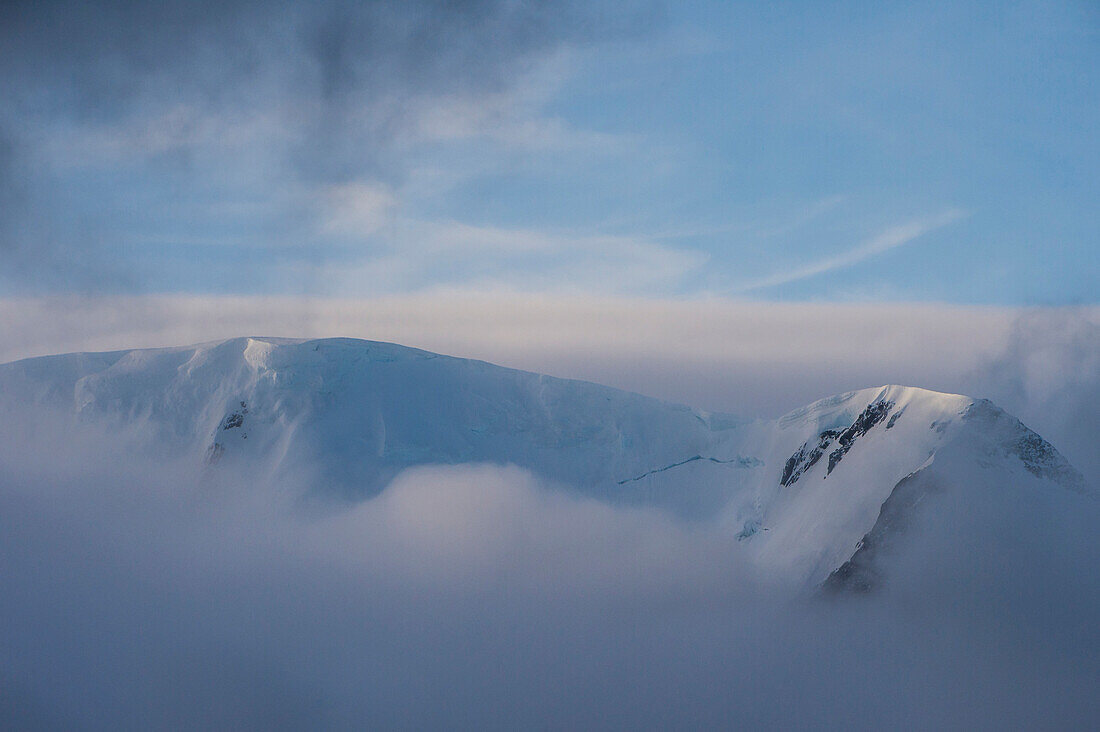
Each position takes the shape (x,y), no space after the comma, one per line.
(122,112)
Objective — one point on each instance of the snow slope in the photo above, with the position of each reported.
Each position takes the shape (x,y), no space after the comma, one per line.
(810,495)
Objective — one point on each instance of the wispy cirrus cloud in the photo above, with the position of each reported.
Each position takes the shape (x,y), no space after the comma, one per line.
(892,238)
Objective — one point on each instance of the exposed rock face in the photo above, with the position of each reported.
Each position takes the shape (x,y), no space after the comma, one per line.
(807,456)
(994,442)
(863,573)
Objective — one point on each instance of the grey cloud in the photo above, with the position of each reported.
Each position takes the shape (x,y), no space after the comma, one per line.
(1049,376)
(146,594)
(715,354)
(11,191)
(101,54)
(182,105)
(323,61)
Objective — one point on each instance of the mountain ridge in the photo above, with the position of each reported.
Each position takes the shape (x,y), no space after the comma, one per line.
(803,493)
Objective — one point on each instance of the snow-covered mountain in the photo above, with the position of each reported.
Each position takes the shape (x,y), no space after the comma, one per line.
(816,496)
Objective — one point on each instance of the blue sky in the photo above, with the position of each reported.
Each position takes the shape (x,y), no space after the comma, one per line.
(798,151)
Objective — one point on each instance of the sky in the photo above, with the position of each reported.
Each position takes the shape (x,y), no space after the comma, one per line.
(789,152)
(740,206)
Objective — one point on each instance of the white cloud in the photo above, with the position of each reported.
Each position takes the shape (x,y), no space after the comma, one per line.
(892,238)
(511,120)
(752,358)
(477,596)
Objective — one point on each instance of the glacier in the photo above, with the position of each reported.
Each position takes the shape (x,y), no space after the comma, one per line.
(815,497)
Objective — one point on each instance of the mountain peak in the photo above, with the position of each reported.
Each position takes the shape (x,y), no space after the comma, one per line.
(800,491)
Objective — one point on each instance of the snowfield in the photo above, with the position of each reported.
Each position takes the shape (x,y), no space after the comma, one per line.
(813,497)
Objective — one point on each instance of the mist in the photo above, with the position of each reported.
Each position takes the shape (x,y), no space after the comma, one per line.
(149,594)
(583,190)
(1048,375)
(754,359)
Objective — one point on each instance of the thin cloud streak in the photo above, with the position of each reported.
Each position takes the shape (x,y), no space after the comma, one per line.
(892,238)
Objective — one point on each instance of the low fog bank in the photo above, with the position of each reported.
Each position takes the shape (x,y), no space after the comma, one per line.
(167,595)
(749,358)
(1048,375)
